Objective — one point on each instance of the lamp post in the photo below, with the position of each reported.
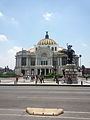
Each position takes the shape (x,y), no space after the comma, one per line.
(53,62)
(80,59)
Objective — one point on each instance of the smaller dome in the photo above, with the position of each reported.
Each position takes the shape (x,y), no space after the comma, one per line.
(31,50)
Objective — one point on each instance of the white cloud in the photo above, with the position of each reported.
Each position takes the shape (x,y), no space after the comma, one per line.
(3,38)
(47,16)
(13,50)
(8,59)
(1,14)
(8,19)
(11,56)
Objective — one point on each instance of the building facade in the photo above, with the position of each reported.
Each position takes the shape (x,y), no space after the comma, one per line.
(45,57)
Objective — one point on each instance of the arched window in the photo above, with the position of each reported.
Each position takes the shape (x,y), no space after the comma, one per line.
(36,48)
(52,48)
(44,55)
(55,48)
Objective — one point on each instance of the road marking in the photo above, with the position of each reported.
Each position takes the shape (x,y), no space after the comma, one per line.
(12,109)
(76,118)
(25,97)
(13,115)
(76,112)
(24,114)
(25,110)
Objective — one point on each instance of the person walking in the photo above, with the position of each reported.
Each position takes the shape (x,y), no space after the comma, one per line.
(36,79)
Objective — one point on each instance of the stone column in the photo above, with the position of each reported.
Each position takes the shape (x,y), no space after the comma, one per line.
(58,61)
(27,61)
(49,70)
(19,61)
(45,71)
(36,61)
(61,61)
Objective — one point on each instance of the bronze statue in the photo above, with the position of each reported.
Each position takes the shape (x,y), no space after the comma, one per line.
(70,54)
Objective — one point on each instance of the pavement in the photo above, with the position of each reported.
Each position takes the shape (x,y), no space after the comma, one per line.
(21,81)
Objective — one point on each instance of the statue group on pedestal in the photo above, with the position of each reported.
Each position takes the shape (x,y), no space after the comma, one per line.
(70,54)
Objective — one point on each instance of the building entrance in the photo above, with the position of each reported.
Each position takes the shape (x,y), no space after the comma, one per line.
(23,72)
(42,71)
(47,71)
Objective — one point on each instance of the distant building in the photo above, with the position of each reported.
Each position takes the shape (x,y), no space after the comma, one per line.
(46,57)
(7,69)
(87,71)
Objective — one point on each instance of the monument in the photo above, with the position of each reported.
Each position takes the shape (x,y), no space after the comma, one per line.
(70,69)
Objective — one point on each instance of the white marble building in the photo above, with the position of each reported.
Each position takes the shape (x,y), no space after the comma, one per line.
(46,57)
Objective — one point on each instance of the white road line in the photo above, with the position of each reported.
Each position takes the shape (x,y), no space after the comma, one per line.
(12,109)
(25,97)
(77,112)
(13,115)
(76,118)
(25,115)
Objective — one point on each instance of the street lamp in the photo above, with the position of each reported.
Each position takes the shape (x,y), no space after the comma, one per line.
(80,59)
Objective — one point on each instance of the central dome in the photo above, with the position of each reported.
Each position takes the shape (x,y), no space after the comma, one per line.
(46,41)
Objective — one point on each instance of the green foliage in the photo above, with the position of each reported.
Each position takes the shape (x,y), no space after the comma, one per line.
(8,74)
(81,76)
(59,75)
(51,75)
(88,76)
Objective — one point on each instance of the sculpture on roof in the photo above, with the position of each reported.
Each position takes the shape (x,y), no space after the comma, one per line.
(46,36)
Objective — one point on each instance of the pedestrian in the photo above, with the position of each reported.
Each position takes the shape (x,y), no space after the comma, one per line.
(86,76)
(36,79)
(81,82)
(56,78)
(42,77)
(16,78)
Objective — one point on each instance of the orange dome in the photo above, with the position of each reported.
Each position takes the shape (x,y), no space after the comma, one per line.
(46,42)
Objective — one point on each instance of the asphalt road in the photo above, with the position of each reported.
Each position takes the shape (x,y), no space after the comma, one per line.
(15,99)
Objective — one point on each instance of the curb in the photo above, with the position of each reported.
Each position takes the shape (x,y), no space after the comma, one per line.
(44,85)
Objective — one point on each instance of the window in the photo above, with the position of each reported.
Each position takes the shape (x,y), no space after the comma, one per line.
(44,62)
(55,48)
(54,63)
(23,61)
(44,55)
(52,49)
(36,49)
(33,62)
(64,60)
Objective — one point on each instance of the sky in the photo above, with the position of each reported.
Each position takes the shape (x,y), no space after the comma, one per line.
(23,24)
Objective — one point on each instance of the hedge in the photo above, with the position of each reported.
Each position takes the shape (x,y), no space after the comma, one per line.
(8,74)
(51,75)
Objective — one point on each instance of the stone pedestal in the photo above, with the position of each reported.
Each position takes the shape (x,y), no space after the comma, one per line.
(71,74)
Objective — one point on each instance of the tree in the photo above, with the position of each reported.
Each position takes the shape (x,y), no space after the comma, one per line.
(83,70)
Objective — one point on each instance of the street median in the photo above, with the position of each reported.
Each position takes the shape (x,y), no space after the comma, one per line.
(44,111)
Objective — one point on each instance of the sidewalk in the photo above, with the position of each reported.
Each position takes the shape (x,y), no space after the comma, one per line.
(22,81)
